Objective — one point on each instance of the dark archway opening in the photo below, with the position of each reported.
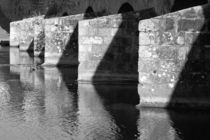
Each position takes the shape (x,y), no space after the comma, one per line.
(126,7)
(89,13)
(65,14)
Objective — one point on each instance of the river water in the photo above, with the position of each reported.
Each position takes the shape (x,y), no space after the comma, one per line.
(48,104)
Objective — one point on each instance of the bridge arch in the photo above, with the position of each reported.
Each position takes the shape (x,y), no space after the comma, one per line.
(126,7)
(65,14)
(89,12)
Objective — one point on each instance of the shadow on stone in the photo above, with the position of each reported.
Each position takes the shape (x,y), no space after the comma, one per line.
(116,75)
(194,78)
(119,64)
(192,88)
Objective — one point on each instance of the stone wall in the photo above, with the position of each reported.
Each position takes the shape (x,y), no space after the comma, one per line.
(22,33)
(174,59)
(14,34)
(61,40)
(108,47)
(39,38)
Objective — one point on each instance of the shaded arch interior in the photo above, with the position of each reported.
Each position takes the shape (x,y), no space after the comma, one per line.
(65,14)
(126,7)
(89,12)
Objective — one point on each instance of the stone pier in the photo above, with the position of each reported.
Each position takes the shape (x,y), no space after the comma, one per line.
(108,47)
(174,59)
(61,40)
(22,33)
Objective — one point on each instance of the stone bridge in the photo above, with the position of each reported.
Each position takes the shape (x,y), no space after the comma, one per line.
(155,44)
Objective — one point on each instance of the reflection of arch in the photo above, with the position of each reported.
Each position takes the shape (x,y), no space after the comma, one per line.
(65,14)
(89,12)
(126,7)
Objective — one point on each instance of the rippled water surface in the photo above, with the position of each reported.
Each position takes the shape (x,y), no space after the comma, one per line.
(48,104)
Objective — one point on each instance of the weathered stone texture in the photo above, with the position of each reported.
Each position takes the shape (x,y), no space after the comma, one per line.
(174,61)
(23,33)
(39,38)
(108,47)
(14,34)
(61,40)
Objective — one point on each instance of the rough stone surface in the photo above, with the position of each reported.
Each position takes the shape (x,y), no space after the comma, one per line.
(107,51)
(39,38)
(22,33)
(61,40)
(174,61)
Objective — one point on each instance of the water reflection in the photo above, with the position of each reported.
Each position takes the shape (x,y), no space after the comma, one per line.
(46,104)
(14,56)
(156,125)
(4,55)
(26,58)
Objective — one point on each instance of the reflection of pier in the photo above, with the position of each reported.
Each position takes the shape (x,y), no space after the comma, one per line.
(55,112)
(81,76)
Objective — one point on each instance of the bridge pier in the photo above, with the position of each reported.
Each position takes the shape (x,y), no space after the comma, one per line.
(108,47)
(61,40)
(174,59)
(23,35)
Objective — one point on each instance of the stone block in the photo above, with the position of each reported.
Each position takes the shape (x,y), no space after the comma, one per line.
(14,34)
(155,66)
(165,38)
(91,40)
(146,38)
(190,24)
(105,31)
(167,53)
(88,31)
(147,52)
(160,52)
(149,25)
(160,77)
